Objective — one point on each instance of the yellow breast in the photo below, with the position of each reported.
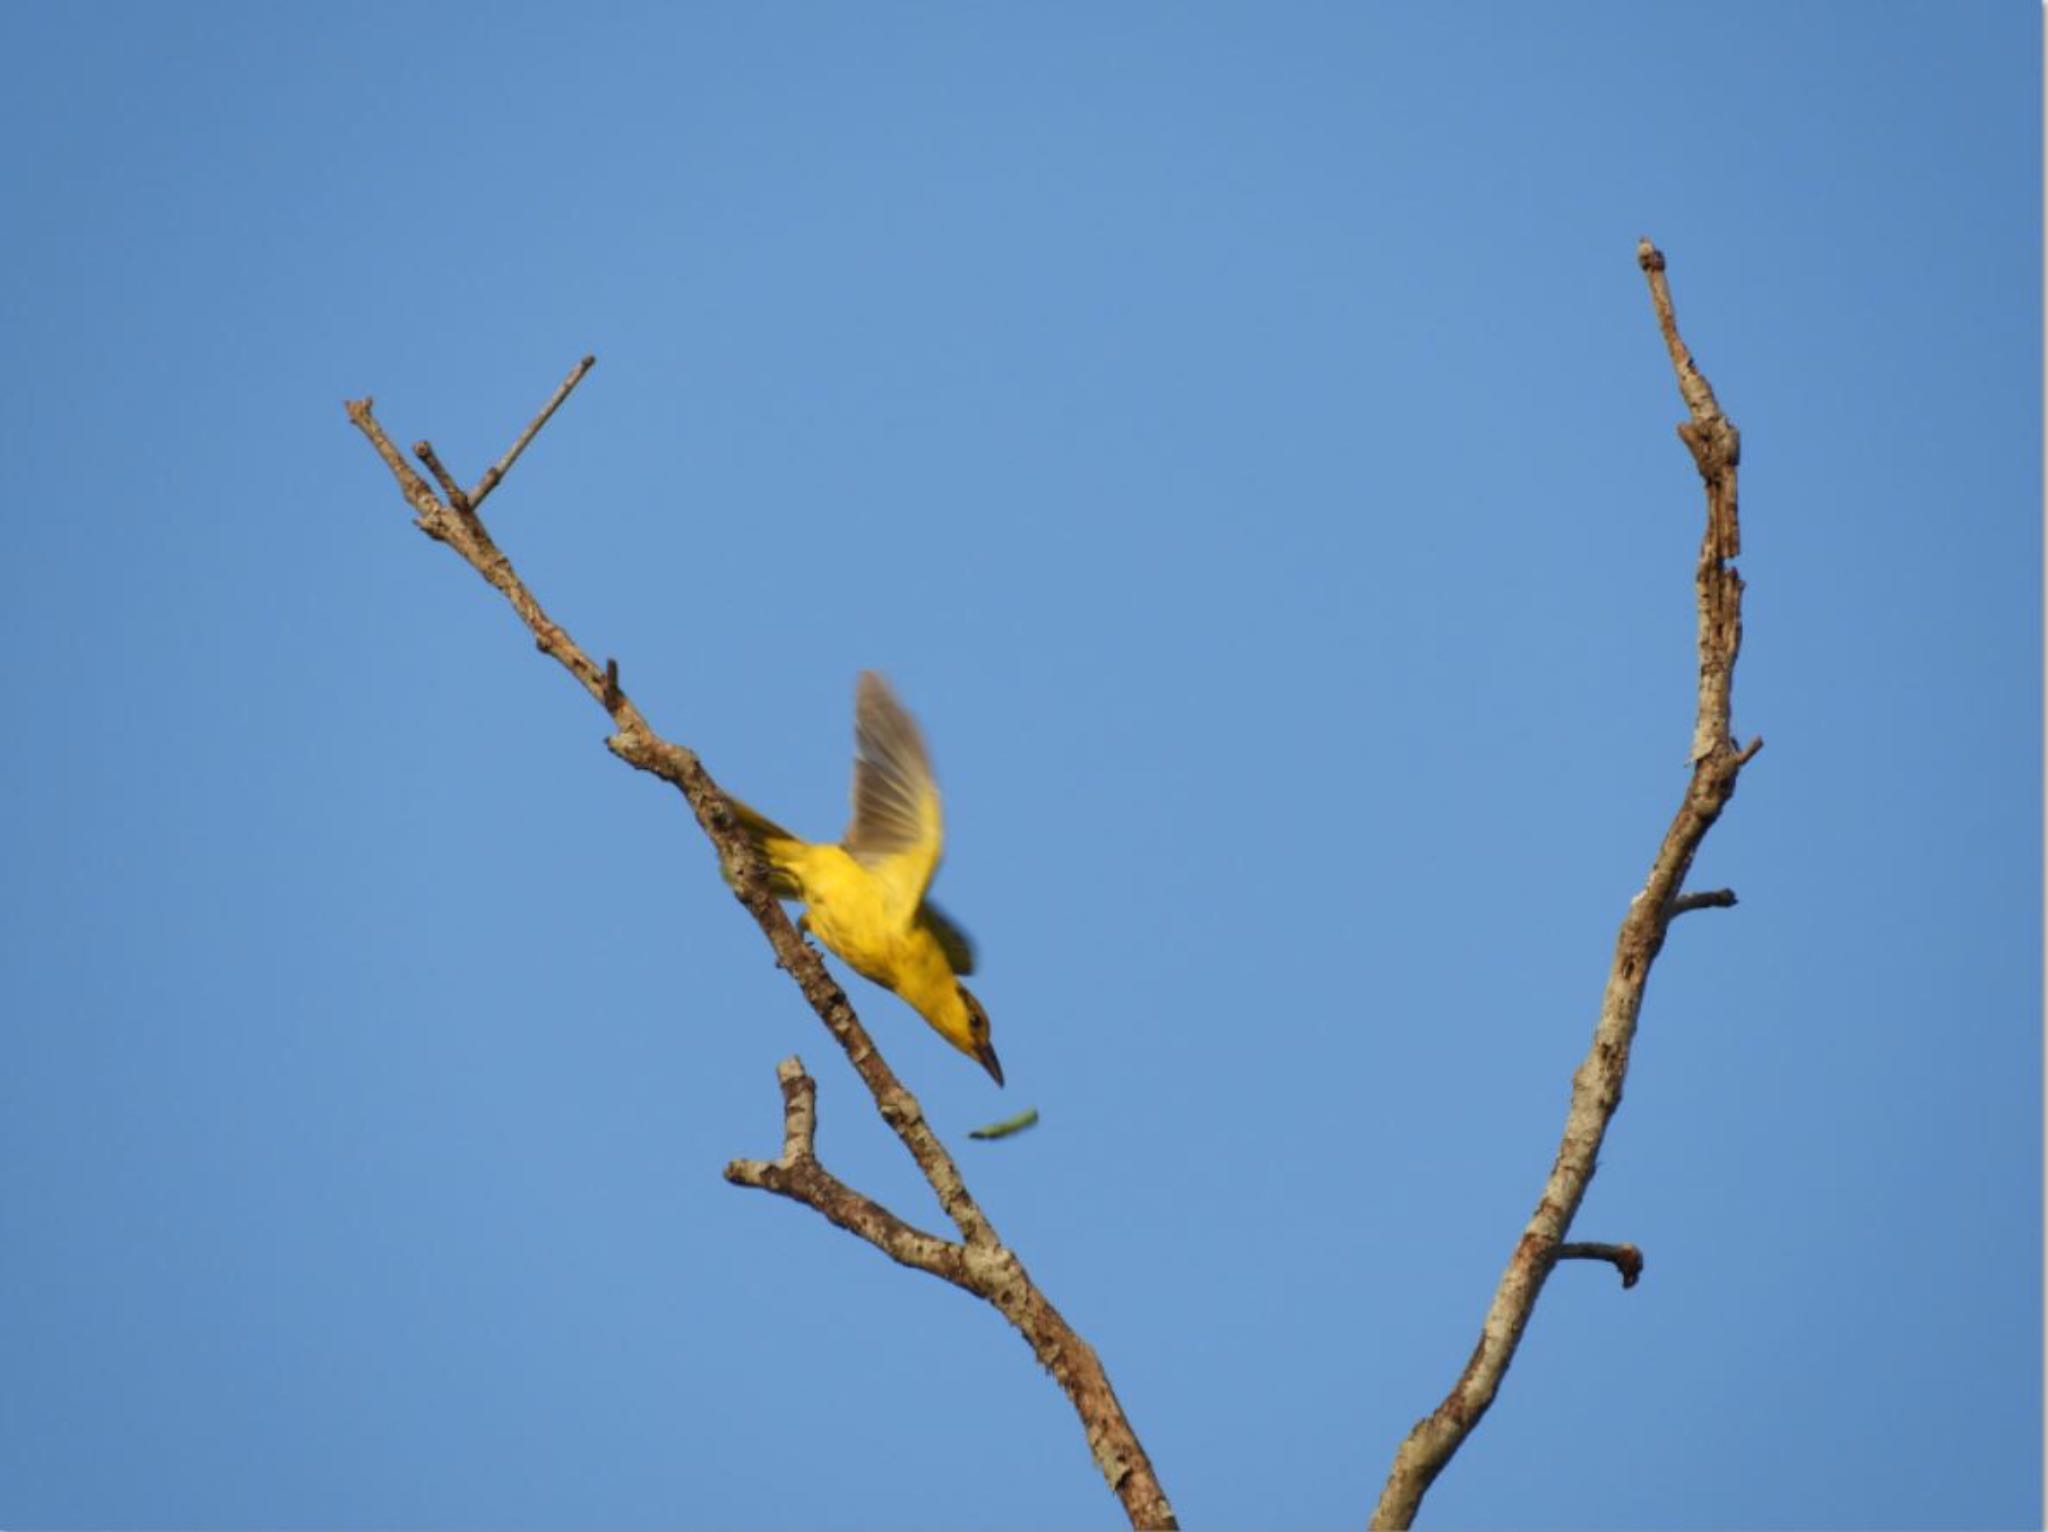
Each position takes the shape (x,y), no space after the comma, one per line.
(854,914)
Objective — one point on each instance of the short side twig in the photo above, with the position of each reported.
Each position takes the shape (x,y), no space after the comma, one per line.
(456,495)
(1706,899)
(1626,1259)
(496,473)
(991,1273)
(799,1176)
(996,1273)
(1596,1086)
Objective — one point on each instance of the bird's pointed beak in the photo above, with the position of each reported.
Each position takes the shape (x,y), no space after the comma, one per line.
(987,1054)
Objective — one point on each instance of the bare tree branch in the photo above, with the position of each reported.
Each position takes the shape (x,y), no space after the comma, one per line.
(457,495)
(1626,1259)
(799,1176)
(504,464)
(1596,1085)
(978,1262)
(1707,899)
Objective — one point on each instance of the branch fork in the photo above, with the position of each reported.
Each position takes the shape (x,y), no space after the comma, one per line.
(978,1261)
(799,1176)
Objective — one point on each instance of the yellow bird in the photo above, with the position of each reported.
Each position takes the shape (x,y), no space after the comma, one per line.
(865,897)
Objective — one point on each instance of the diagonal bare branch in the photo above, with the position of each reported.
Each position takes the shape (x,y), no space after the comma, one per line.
(979,1260)
(1596,1085)
(988,1271)
(799,1176)
(496,473)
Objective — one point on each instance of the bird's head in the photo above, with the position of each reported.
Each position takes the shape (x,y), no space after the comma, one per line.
(971,1036)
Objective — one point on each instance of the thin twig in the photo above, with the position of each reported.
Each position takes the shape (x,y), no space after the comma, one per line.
(457,496)
(1706,899)
(987,1270)
(1597,1084)
(799,1176)
(1626,1259)
(985,1267)
(503,466)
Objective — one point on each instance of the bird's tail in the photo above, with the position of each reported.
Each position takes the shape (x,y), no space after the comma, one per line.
(775,846)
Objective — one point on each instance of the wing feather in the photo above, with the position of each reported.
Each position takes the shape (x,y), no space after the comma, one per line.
(954,942)
(897,828)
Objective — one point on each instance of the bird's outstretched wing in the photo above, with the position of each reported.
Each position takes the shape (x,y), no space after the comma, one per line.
(897,828)
(953,941)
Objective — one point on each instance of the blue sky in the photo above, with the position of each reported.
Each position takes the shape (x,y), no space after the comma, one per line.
(1241,434)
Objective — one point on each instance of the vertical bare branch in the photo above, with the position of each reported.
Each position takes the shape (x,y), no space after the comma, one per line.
(978,1261)
(1596,1086)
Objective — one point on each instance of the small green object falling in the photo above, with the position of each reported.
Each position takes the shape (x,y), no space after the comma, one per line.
(1008,1125)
